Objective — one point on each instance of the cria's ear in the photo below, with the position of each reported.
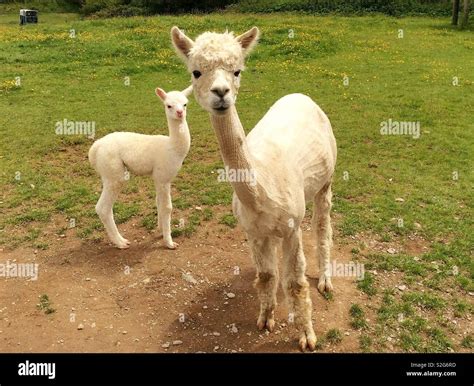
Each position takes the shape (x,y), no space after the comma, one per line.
(181,43)
(161,93)
(188,91)
(249,39)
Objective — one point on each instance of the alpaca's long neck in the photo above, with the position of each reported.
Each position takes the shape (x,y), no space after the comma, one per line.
(179,136)
(236,156)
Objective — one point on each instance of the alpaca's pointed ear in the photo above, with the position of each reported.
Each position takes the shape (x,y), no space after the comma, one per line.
(249,39)
(188,91)
(161,93)
(181,43)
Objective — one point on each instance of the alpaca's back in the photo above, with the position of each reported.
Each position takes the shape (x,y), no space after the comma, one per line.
(139,153)
(296,133)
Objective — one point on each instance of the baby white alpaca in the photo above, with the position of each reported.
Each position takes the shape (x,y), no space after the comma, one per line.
(157,155)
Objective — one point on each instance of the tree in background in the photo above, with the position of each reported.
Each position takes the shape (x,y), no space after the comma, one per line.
(454,18)
(125,7)
(465,14)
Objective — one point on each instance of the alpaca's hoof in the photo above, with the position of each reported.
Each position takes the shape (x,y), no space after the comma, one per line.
(325,284)
(263,322)
(308,341)
(171,245)
(122,244)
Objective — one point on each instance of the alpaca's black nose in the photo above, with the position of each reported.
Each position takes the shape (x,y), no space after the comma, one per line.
(220,91)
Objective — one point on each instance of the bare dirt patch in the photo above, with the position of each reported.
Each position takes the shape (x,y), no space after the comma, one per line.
(146,298)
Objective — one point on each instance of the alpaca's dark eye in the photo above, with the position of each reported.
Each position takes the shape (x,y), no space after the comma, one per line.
(169,106)
(237,73)
(197,74)
(185,105)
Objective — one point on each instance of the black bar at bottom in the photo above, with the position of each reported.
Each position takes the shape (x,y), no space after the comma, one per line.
(209,369)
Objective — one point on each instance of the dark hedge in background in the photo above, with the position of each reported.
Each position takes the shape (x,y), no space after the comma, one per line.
(107,8)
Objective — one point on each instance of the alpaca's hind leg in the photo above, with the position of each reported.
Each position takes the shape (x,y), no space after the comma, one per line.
(164,198)
(296,288)
(321,224)
(265,258)
(104,209)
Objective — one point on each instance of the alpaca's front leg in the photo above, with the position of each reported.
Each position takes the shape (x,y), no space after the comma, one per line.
(321,224)
(265,258)
(159,228)
(296,288)
(164,198)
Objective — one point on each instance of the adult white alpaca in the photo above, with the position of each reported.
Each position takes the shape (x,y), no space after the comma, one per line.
(160,156)
(292,153)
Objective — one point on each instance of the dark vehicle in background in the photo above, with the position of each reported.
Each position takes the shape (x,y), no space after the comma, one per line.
(28,16)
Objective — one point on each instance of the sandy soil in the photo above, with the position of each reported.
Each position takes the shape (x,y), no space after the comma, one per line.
(146,298)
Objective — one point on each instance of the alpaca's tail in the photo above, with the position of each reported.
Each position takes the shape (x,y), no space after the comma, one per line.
(93,154)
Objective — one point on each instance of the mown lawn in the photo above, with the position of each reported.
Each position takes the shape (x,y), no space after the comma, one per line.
(359,70)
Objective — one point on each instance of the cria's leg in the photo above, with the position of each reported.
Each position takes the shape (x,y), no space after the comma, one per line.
(104,209)
(164,198)
(321,224)
(297,289)
(158,217)
(265,257)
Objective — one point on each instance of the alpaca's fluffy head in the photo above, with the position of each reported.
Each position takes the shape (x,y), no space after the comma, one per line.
(215,62)
(175,102)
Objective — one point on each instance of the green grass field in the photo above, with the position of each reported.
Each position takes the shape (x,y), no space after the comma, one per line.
(359,70)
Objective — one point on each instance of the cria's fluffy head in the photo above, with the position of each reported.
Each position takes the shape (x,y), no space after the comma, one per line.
(175,102)
(215,61)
